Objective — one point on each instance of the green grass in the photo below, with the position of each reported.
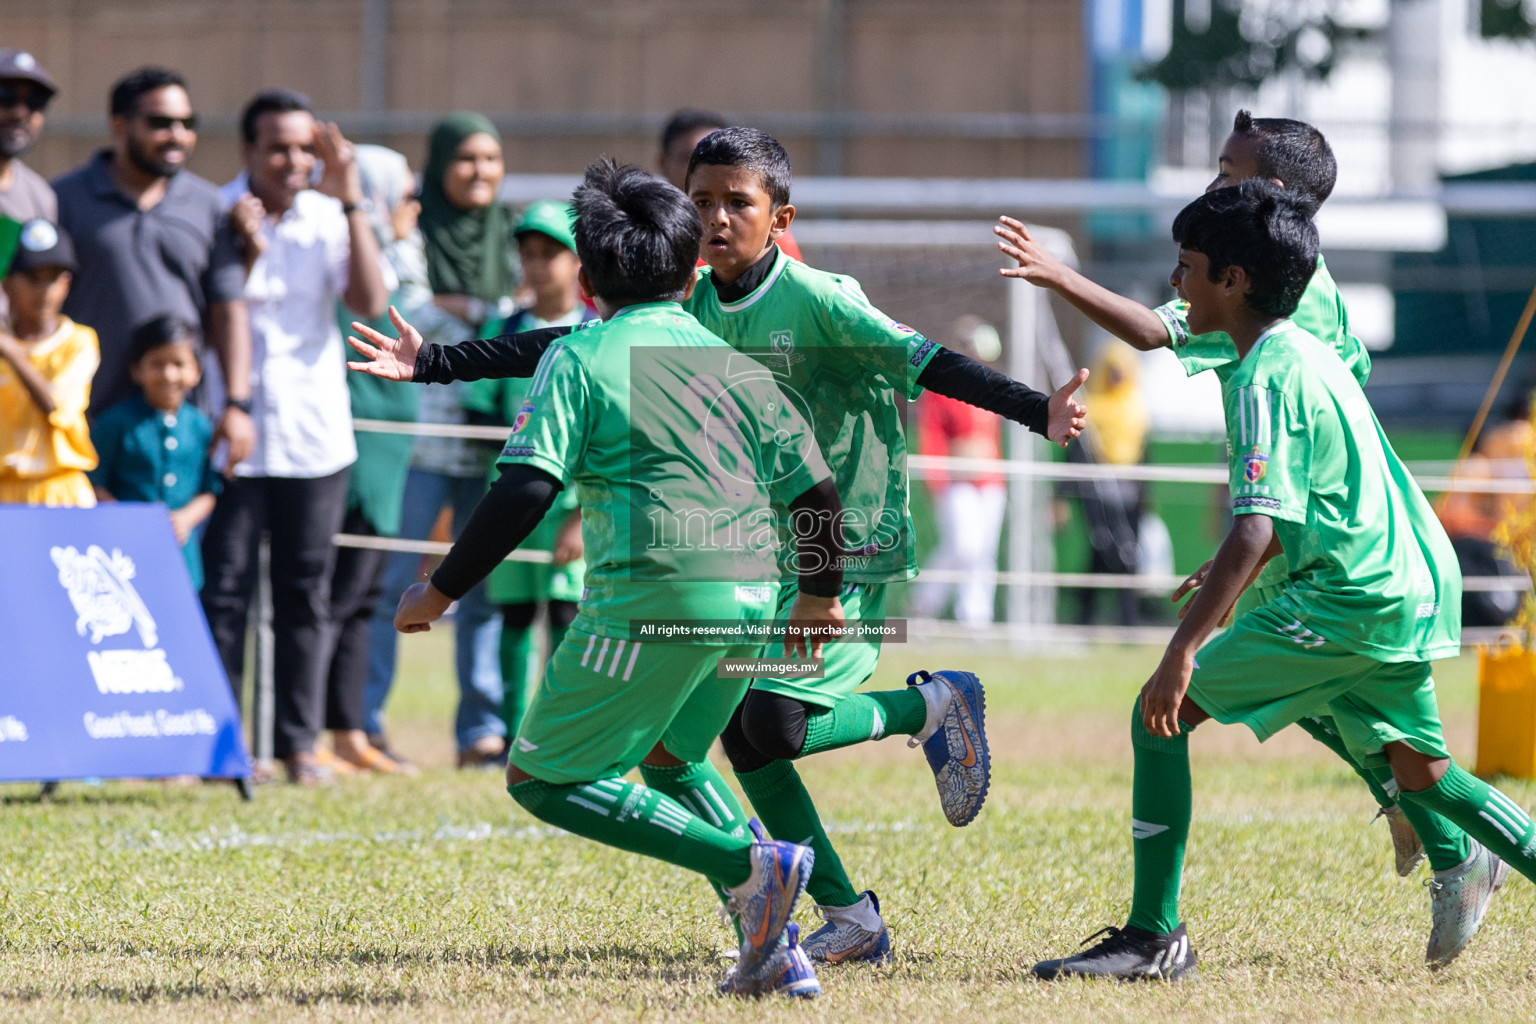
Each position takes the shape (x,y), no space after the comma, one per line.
(437,899)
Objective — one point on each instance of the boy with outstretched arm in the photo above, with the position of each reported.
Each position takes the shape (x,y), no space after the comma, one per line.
(1373,595)
(1295,156)
(633,413)
(841,361)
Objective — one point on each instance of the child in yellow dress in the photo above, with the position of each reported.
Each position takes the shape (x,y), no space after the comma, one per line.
(46,365)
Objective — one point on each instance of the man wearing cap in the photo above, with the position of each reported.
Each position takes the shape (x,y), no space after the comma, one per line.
(152,239)
(25,89)
(46,365)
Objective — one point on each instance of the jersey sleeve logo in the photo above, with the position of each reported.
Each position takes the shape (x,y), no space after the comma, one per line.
(1254,464)
(523,415)
(903,328)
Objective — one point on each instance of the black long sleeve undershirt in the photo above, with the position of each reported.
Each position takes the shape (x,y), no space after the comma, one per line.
(520,497)
(964,379)
(948,373)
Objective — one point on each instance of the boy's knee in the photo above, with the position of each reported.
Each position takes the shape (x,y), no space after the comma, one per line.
(1414,771)
(661,757)
(516,776)
(774,725)
(744,757)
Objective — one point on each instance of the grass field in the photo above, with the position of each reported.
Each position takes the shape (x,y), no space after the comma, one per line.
(437,899)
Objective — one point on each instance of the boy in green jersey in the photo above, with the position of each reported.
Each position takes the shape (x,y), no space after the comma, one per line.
(1373,597)
(841,362)
(635,414)
(1297,157)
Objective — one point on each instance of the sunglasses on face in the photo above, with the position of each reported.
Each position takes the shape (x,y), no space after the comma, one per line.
(161,123)
(14,96)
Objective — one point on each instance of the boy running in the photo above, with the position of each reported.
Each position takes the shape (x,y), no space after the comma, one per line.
(1295,156)
(633,413)
(1373,595)
(842,362)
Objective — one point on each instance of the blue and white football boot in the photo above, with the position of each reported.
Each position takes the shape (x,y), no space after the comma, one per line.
(955,741)
(762,906)
(788,973)
(852,934)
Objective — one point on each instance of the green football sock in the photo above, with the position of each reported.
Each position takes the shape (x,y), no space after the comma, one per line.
(1161,800)
(785,808)
(1322,729)
(700,788)
(1486,814)
(638,819)
(516,661)
(865,716)
(1445,844)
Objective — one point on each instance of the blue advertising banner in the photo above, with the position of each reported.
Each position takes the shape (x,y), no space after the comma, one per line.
(110,671)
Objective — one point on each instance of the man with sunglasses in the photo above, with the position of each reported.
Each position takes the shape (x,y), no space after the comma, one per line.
(151,238)
(25,89)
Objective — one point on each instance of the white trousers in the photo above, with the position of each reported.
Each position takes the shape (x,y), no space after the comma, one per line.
(970,523)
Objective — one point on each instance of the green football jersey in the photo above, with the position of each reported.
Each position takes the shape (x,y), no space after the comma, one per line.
(1370,566)
(677,449)
(843,363)
(1321,314)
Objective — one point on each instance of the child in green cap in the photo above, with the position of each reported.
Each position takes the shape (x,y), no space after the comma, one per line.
(546,247)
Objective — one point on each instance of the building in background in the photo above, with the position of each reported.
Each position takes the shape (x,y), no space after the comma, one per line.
(987,88)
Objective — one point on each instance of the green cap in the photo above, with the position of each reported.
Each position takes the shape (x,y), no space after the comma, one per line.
(549,217)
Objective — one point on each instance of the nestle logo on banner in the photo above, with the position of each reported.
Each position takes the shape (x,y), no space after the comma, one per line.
(106,604)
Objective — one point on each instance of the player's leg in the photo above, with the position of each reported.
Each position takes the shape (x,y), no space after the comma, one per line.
(1224,686)
(516,651)
(1392,720)
(561,614)
(1415,832)
(1153,943)
(603,704)
(1418,833)
(943,713)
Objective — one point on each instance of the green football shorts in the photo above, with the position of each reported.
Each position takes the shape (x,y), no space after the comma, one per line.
(849,663)
(605,702)
(1268,670)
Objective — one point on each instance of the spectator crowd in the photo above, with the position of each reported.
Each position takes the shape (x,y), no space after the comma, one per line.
(166,339)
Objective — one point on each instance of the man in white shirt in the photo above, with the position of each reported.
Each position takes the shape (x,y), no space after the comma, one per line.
(305,250)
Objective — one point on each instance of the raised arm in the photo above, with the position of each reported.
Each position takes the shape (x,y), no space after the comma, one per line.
(1125,318)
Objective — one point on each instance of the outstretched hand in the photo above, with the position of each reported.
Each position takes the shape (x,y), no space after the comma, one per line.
(1035,263)
(390,358)
(1065,417)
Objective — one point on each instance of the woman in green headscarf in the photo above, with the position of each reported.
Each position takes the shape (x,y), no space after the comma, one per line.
(471,255)
(471,260)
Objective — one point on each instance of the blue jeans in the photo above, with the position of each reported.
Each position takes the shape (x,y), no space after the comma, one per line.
(477,624)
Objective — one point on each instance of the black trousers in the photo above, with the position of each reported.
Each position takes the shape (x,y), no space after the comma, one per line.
(299,517)
(356,583)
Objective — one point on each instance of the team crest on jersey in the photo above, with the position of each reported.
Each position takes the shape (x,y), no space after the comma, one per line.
(523,414)
(1254,464)
(782,341)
